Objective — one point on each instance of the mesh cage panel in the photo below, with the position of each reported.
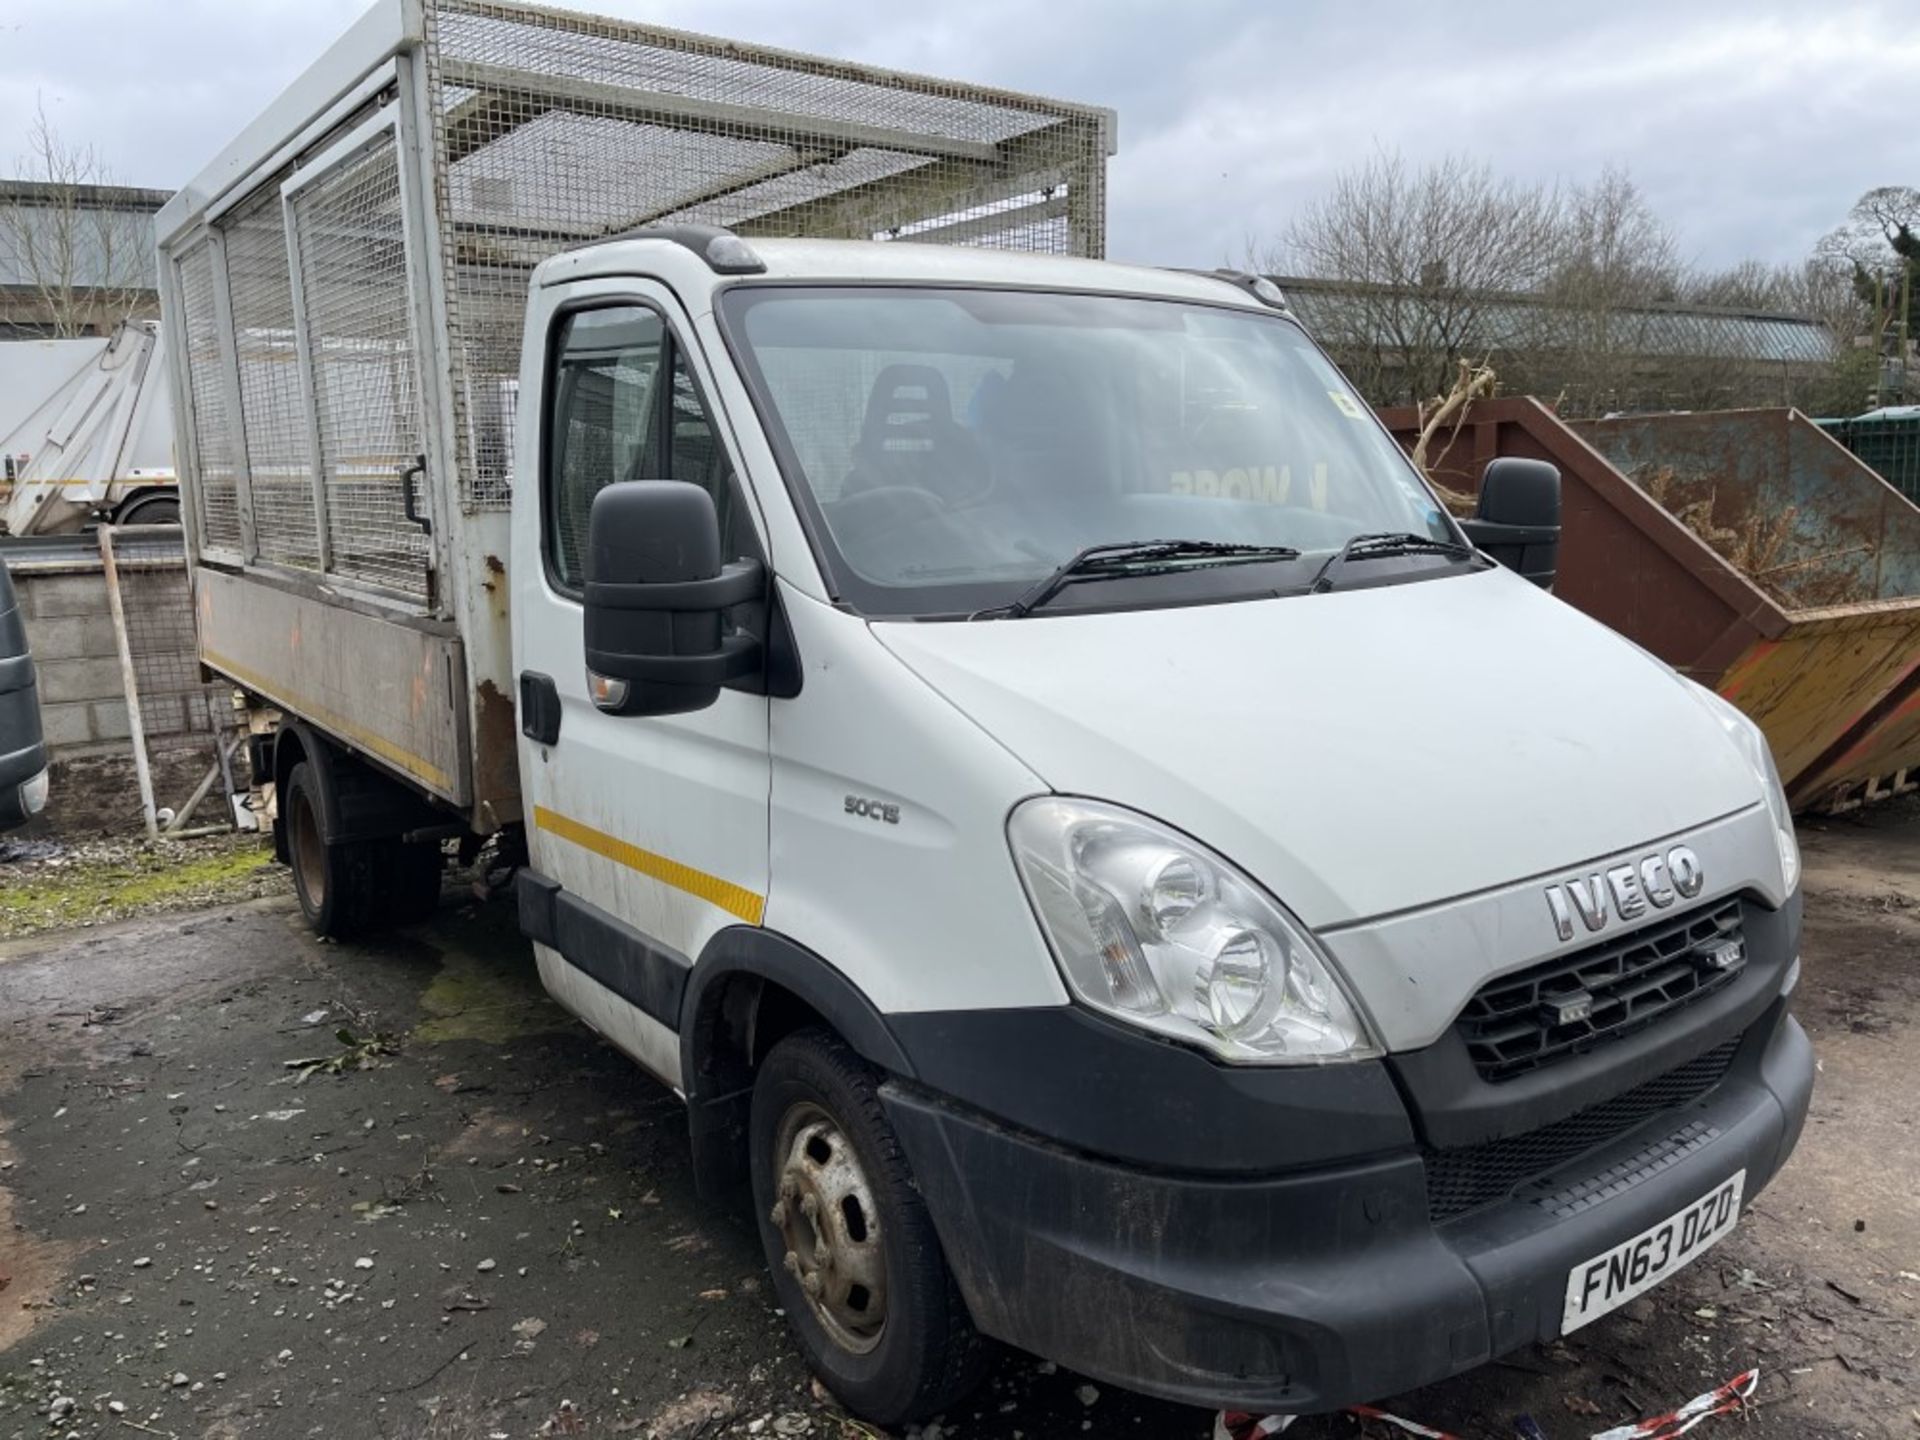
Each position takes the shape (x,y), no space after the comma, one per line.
(552,128)
(212,442)
(353,278)
(177,708)
(279,462)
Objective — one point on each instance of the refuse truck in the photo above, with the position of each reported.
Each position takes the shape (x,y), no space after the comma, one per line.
(1110,866)
(89,435)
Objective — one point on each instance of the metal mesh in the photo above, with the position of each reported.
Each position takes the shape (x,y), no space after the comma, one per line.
(176,708)
(1889,441)
(353,279)
(554,128)
(279,458)
(213,444)
(1465,1179)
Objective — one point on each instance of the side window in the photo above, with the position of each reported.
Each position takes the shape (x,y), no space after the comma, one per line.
(602,420)
(624,407)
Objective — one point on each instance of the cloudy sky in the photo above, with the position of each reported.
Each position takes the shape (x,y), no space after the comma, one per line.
(1750,126)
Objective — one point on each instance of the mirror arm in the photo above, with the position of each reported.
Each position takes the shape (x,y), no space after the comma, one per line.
(737,583)
(739,655)
(1492,532)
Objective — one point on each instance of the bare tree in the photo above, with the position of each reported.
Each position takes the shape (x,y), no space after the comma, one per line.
(88,262)
(1617,264)
(1876,254)
(1756,285)
(1424,254)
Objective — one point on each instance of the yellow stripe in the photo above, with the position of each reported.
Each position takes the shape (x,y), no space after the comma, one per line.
(414,765)
(734,899)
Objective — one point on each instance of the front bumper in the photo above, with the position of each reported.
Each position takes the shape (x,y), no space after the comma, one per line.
(1321,1287)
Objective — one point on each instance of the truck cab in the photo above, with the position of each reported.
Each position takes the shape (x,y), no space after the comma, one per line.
(1109,862)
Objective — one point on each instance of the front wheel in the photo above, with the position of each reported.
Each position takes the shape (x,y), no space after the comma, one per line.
(854,1256)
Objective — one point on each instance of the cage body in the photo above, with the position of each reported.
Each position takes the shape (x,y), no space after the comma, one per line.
(345,286)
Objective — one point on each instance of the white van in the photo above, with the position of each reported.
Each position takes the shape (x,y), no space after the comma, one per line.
(1109,863)
(1030,760)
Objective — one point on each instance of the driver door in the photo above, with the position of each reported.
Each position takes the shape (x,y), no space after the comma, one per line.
(653,828)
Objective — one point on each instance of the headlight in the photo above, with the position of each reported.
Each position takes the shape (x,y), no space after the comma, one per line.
(33,794)
(1752,745)
(1157,931)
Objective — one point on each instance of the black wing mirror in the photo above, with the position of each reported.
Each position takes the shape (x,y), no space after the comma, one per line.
(656,601)
(1517,520)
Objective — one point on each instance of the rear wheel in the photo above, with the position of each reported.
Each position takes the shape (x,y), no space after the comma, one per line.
(154,508)
(333,881)
(853,1252)
(352,886)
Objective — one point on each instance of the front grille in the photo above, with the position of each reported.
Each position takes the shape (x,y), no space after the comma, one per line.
(1513,1024)
(1475,1175)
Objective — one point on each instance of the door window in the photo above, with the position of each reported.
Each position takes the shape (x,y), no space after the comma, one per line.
(624,407)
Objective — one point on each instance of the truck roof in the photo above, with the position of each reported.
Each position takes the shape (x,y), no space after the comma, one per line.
(828,261)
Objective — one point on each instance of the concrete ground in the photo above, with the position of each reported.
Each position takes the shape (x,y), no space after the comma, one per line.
(255,1185)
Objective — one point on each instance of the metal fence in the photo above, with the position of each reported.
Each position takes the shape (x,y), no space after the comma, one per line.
(170,707)
(1889,442)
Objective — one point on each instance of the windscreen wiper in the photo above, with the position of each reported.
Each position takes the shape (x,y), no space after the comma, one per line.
(1134,557)
(1370,547)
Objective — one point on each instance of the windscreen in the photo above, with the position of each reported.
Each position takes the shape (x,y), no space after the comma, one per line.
(951,446)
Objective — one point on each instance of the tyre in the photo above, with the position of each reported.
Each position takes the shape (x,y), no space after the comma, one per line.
(852,1250)
(335,883)
(154,508)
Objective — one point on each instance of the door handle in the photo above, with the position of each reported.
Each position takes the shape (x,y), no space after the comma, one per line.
(409,504)
(539,707)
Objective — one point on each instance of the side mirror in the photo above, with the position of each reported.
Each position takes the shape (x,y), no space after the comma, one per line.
(1517,521)
(656,598)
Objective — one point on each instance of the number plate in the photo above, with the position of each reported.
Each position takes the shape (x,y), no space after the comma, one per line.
(1615,1276)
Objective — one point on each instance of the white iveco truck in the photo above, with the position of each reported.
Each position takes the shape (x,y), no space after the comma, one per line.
(1108,862)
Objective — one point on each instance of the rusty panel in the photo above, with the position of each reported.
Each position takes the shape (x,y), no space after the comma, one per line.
(1794,511)
(1836,687)
(1812,688)
(382,686)
(1884,740)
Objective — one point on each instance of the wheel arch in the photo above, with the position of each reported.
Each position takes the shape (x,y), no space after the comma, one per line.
(293,743)
(143,498)
(750,987)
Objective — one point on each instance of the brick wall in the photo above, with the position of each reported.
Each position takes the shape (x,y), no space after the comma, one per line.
(83,704)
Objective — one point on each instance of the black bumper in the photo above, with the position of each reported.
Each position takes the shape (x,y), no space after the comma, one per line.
(1321,1287)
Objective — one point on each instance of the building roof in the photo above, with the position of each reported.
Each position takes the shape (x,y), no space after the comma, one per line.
(92,197)
(1337,310)
(112,243)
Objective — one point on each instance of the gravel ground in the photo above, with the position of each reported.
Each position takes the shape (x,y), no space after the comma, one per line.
(255,1185)
(49,884)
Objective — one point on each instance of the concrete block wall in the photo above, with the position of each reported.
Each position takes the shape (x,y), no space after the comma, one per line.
(83,704)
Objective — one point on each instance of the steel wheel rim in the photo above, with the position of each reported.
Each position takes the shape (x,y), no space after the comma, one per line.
(829,1228)
(310,865)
